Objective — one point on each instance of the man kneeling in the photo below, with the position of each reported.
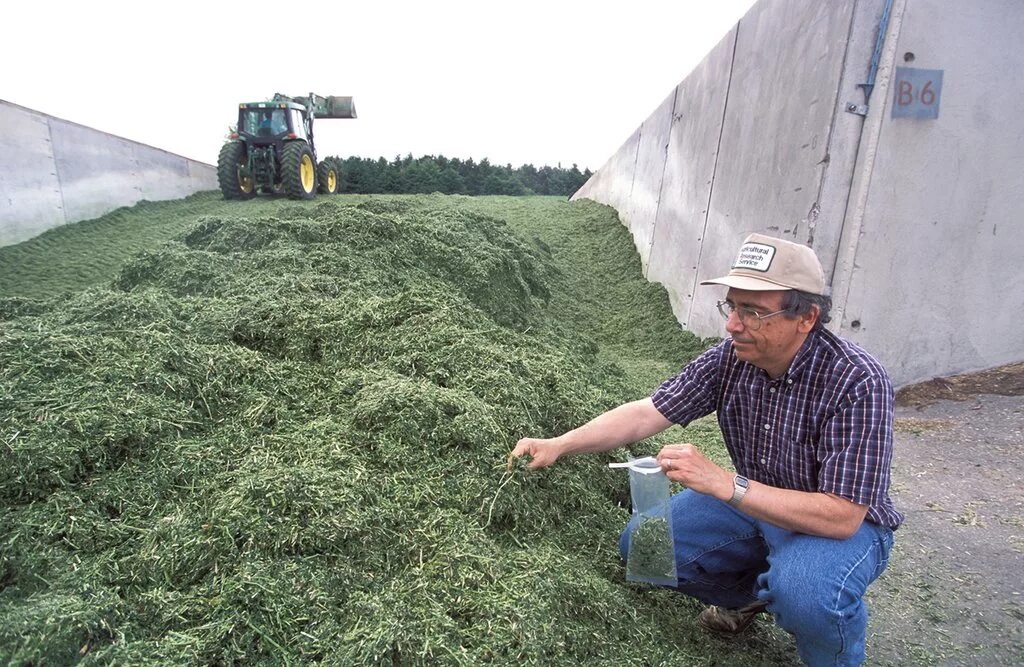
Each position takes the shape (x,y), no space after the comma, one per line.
(807,523)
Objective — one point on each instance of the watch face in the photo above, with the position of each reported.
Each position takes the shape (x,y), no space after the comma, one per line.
(739,489)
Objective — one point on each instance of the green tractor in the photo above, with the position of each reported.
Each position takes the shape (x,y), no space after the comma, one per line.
(272,151)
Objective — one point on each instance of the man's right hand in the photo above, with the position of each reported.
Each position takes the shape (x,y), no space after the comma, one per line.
(542,452)
(630,422)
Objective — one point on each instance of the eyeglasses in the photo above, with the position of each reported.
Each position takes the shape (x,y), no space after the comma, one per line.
(750,318)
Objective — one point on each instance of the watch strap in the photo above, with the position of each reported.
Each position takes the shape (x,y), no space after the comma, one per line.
(739,489)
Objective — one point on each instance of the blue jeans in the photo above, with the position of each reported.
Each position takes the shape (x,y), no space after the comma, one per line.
(814,586)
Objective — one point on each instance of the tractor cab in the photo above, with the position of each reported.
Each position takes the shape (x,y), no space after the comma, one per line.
(264,123)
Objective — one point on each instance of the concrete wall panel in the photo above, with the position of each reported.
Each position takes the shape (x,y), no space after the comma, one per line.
(95,170)
(201,177)
(775,142)
(161,175)
(612,184)
(624,166)
(936,285)
(652,151)
(60,172)
(30,197)
(689,173)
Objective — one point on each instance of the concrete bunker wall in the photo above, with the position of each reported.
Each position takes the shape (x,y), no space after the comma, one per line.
(57,172)
(913,219)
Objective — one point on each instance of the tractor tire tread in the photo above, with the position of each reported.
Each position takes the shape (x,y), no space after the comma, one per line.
(323,179)
(291,170)
(231,155)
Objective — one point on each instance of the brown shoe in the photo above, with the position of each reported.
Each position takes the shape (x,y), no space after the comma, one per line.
(729,622)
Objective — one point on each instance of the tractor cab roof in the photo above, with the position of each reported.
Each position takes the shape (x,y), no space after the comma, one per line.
(272,105)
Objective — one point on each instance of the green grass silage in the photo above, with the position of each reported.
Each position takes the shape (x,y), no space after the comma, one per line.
(281,437)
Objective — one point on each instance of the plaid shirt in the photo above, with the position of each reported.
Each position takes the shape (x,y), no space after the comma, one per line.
(826,425)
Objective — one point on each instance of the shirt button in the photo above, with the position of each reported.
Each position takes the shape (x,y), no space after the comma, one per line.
(767,427)
(789,382)
(764,461)
(772,390)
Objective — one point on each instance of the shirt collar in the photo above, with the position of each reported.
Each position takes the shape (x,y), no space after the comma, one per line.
(802,358)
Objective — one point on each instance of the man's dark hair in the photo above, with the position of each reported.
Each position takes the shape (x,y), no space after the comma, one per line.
(797,303)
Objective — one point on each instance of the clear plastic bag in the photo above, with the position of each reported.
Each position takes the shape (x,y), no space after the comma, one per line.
(652,555)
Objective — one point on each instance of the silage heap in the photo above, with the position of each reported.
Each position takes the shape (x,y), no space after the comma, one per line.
(285,439)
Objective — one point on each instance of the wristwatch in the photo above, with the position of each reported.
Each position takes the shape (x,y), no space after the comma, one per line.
(740,484)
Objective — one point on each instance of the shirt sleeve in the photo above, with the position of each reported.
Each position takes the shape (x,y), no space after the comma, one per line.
(856,445)
(693,392)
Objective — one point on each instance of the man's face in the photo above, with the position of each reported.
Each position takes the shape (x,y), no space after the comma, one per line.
(772,346)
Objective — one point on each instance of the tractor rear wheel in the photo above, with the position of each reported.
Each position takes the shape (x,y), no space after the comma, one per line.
(327,179)
(233,172)
(298,170)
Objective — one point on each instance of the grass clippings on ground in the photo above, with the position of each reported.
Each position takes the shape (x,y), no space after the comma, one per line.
(280,434)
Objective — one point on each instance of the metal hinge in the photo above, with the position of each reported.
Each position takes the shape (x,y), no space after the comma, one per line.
(859,109)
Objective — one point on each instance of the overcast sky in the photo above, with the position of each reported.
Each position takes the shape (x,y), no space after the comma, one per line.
(541,82)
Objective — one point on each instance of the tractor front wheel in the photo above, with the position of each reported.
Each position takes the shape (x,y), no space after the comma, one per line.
(327,179)
(298,170)
(233,172)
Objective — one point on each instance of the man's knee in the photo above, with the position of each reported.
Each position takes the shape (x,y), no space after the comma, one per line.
(799,604)
(813,604)
(813,581)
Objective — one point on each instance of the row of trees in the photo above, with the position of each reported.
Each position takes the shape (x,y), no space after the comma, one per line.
(409,175)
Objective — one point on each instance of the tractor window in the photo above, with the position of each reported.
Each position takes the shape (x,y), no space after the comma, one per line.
(264,122)
(299,128)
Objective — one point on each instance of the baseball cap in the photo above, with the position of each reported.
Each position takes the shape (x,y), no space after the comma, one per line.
(767,263)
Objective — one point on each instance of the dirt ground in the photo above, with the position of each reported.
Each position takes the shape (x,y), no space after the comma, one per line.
(954,590)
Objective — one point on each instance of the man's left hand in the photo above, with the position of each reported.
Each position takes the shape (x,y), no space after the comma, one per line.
(687,465)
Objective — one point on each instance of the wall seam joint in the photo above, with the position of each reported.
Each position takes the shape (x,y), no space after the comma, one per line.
(714,174)
(56,171)
(827,170)
(661,182)
(636,161)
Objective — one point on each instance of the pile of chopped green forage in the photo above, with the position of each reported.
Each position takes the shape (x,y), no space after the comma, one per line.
(282,438)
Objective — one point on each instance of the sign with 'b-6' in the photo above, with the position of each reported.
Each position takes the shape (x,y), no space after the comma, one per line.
(916,93)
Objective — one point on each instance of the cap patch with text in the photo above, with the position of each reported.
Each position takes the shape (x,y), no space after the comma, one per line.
(755,257)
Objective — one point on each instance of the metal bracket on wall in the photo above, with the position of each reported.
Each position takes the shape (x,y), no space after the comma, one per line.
(859,109)
(883,25)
